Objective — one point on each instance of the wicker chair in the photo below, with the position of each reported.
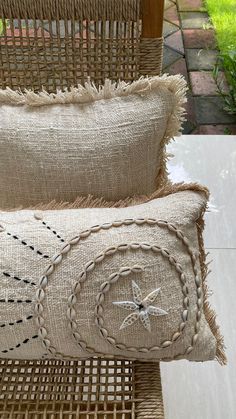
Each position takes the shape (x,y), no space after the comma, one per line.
(56,44)
(60,43)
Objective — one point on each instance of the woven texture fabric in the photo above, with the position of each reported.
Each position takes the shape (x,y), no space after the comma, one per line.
(123,282)
(108,143)
(91,389)
(59,44)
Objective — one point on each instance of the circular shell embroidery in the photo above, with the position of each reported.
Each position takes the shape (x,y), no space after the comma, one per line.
(141,310)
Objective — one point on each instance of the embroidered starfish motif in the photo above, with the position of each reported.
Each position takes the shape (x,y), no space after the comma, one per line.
(142,308)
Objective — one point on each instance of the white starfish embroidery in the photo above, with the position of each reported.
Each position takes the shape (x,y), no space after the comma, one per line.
(141,307)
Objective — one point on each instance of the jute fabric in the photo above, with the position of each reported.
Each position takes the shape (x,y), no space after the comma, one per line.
(108,142)
(62,271)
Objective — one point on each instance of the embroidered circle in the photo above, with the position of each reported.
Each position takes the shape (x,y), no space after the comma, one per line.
(71,312)
(105,287)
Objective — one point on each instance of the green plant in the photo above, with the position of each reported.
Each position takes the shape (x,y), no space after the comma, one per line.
(1,27)
(227,131)
(222,14)
(227,62)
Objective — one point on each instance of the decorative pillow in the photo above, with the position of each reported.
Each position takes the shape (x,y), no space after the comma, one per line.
(122,282)
(108,142)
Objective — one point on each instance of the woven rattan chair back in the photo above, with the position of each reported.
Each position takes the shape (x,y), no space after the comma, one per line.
(57,44)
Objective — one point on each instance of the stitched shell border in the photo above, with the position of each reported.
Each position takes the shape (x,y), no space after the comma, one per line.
(170,189)
(90,266)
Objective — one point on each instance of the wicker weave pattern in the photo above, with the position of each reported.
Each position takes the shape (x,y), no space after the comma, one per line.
(56,47)
(125,10)
(84,389)
(65,53)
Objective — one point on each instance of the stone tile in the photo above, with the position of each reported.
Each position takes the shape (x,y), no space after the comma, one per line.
(175,41)
(169,28)
(190,5)
(210,110)
(194,19)
(190,117)
(168,3)
(200,59)
(229,129)
(172,16)
(190,108)
(203,83)
(188,127)
(169,57)
(199,38)
(179,67)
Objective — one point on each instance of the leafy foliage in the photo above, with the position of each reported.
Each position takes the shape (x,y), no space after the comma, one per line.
(223,18)
(227,61)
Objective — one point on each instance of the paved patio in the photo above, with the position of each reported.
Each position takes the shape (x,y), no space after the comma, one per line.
(190,49)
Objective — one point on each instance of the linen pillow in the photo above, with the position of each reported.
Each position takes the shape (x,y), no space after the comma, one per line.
(109,142)
(118,282)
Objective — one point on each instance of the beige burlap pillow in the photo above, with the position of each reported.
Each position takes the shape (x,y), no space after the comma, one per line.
(108,142)
(121,282)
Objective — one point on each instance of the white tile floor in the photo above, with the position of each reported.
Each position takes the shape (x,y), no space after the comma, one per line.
(210,160)
(208,391)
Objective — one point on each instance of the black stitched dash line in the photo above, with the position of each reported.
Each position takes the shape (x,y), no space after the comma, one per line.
(26,244)
(53,231)
(16,321)
(11,300)
(26,281)
(19,344)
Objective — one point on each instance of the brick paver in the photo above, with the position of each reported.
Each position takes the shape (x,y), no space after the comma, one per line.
(210,110)
(215,129)
(200,59)
(176,41)
(168,4)
(203,84)
(172,15)
(199,38)
(169,28)
(190,123)
(179,67)
(191,50)
(190,20)
(190,5)
(170,56)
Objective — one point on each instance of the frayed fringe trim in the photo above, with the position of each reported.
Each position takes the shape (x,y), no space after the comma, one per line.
(210,314)
(92,202)
(177,85)
(167,189)
(90,93)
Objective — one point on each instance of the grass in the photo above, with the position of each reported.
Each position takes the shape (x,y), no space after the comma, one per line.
(223,18)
